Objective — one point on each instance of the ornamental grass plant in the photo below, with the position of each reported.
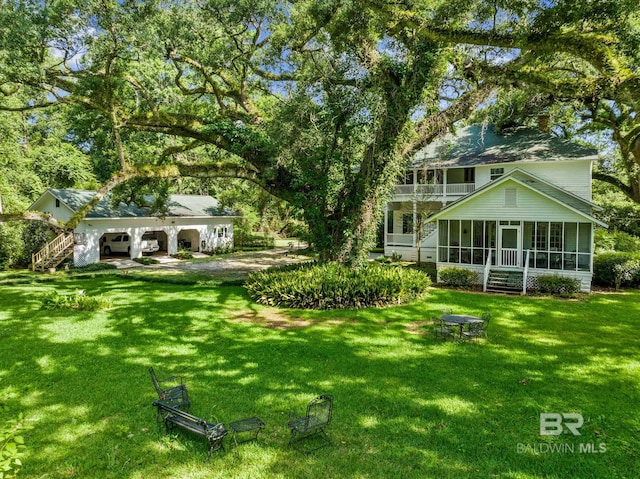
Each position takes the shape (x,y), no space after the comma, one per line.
(335,286)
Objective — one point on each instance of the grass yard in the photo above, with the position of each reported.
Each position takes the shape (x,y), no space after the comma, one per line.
(406,405)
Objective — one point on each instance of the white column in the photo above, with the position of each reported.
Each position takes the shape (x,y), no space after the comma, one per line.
(172,240)
(386,225)
(415,218)
(135,243)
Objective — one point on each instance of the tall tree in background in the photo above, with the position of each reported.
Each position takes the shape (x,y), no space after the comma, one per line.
(321,103)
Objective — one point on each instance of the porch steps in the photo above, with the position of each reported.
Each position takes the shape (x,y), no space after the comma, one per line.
(53,253)
(505,281)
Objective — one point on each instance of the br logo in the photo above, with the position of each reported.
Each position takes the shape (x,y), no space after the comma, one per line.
(553,424)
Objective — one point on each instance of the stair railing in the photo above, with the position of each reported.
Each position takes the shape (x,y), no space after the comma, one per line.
(525,274)
(487,270)
(51,249)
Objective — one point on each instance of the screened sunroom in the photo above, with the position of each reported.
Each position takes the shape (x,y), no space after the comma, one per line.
(549,245)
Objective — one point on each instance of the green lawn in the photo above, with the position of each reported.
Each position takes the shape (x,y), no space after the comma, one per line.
(406,405)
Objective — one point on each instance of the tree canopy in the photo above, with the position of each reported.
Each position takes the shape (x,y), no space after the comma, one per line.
(320,103)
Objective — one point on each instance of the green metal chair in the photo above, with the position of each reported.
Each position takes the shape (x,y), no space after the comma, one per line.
(319,414)
(441,328)
(175,396)
(478,330)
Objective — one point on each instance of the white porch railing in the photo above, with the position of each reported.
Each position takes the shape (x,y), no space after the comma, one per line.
(430,189)
(509,257)
(487,270)
(405,189)
(399,239)
(460,188)
(453,189)
(525,273)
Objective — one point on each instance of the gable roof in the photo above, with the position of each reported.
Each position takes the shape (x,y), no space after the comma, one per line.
(477,145)
(568,200)
(177,205)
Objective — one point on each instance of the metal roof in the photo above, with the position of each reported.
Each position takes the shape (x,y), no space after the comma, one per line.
(177,205)
(481,145)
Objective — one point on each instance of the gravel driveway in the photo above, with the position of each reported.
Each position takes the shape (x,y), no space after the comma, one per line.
(236,265)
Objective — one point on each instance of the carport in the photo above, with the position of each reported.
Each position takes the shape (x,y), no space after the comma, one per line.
(192,220)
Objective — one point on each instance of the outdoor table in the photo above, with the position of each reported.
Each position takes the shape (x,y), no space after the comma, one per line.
(460,320)
(250,424)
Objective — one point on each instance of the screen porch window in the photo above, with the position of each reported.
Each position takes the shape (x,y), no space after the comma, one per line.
(390,222)
(407,223)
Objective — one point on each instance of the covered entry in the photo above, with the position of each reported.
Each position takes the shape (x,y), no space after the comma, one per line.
(189,240)
(509,245)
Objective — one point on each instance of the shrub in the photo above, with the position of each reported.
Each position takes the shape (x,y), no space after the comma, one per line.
(95,267)
(221,250)
(396,257)
(146,260)
(335,286)
(607,269)
(11,246)
(78,301)
(243,239)
(627,272)
(11,447)
(458,277)
(616,241)
(557,285)
(183,254)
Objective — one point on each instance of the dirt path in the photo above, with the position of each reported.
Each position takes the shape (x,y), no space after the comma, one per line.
(237,265)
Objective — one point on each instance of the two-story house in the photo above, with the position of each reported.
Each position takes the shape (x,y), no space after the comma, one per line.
(510,206)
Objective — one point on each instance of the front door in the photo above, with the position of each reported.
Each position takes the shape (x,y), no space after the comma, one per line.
(509,246)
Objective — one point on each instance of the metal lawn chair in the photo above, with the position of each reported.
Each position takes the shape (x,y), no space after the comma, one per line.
(478,330)
(318,417)
(175,396)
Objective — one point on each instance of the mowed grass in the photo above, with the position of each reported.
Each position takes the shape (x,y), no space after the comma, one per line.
(406,405)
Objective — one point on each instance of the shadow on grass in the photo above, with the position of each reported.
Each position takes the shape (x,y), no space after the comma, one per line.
(406,405)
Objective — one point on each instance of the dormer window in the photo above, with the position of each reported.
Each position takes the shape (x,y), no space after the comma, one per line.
(496,173)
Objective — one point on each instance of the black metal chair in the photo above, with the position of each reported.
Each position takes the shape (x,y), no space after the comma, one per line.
(441,328)
(175,396)
(478,330)
(319,413)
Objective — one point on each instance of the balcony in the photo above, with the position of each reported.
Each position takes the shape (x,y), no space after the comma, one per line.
(434,192)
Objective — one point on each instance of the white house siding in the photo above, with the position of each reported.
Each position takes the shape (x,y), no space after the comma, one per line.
(47,204)
(530,206)
(427,254)
(572,176)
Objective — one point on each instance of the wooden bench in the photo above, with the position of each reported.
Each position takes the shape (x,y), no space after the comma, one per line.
(174,417)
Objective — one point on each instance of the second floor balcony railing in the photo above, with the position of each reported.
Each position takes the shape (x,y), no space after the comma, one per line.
(452,189)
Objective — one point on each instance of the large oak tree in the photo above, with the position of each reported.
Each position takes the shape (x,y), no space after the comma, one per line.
(321,103)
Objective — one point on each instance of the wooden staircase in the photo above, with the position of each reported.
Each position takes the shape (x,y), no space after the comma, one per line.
(53,253)
(505,281)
